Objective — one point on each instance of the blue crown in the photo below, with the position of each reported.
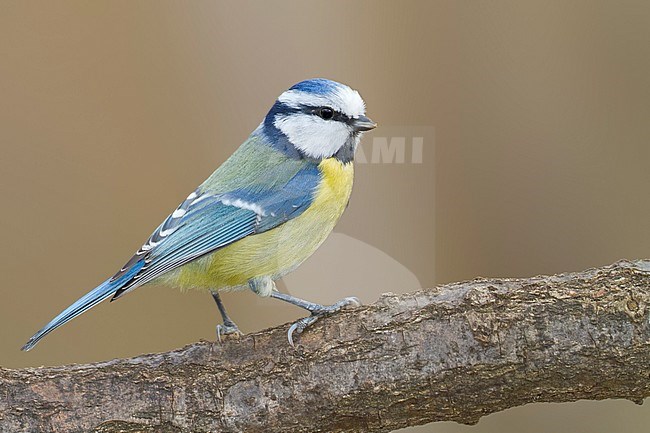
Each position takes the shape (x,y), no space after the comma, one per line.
(318,86)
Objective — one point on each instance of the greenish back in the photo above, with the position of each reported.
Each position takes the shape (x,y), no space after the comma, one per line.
(253,165)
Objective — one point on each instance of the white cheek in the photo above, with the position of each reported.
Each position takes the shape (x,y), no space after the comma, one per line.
(314,136)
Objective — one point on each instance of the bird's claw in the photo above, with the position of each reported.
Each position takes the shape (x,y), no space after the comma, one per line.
(227,329)
(300,326)
(319,311)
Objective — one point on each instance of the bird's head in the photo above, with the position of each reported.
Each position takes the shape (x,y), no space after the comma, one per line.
(317,119)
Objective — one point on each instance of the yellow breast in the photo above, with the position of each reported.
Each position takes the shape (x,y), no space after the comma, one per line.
(278,251)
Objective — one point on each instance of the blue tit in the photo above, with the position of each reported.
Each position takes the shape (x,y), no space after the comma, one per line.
(260,214)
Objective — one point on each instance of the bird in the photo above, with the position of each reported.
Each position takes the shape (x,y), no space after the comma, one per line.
(259,215)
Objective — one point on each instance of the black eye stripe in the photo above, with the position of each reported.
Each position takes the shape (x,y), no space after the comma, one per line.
(340,117)
(337,116)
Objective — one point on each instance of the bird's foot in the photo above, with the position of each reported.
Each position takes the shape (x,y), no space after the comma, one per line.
(228,328)
(318,311)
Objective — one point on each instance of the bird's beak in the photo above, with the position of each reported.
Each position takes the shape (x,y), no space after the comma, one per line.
(363,123)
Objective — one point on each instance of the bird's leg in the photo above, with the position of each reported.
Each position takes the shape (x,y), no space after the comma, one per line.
(228,327)
(265,286)
(316,311)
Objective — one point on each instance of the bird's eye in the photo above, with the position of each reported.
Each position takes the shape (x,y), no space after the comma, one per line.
(326,113)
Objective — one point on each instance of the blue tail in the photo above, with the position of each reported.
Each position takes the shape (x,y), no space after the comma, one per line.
(83,304)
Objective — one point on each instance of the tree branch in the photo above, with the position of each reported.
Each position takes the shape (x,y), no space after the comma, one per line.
(456,352)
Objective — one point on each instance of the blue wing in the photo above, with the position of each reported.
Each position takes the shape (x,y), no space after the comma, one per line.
(204,222)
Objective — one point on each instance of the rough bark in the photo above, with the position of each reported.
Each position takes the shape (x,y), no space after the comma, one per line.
(456,352)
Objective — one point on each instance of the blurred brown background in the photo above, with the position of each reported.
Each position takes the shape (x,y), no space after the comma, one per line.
(535,158)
